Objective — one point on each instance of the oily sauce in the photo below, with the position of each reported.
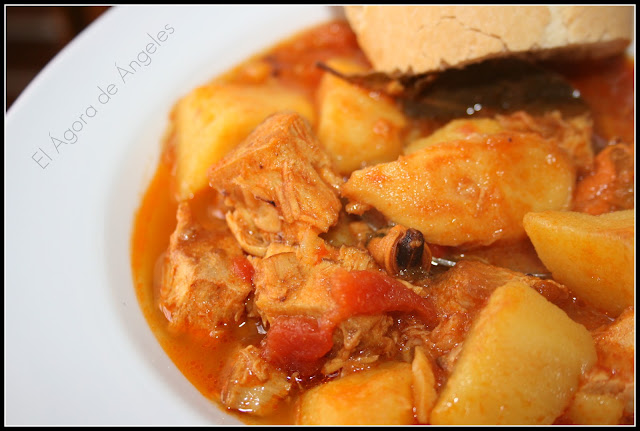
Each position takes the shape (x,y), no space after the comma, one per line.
(607,85)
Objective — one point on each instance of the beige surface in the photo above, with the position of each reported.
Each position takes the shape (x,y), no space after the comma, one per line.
(426,38)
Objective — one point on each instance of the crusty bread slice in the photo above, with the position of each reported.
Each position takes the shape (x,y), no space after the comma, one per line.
(417,39)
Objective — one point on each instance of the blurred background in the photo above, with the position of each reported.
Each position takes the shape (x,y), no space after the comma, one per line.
(34,35)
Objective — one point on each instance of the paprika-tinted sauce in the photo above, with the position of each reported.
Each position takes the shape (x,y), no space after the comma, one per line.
(607,86)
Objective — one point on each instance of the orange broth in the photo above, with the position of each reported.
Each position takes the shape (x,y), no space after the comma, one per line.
(606,85)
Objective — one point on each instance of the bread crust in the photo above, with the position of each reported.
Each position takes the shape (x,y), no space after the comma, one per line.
(417,39)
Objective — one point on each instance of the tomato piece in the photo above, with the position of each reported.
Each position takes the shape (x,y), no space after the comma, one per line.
(369,292)
(297,343)
(242,268)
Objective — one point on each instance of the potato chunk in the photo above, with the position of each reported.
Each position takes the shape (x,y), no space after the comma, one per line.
(572,134)
(356,127)
(379,396)
(462,292)
(456,130)
(212,119)
(592,255)
(520,363)
(468,192)
(595,409)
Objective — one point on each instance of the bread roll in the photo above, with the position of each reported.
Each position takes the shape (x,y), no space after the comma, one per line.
(417,39)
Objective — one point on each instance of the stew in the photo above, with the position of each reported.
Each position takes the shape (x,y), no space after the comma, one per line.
(308,253)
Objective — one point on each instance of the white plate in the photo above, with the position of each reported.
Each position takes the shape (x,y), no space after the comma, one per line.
(77,347)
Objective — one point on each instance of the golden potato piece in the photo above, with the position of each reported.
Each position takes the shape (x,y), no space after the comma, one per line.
(592,255)
(356,127)
(595,409)
(573,134)
(520,363)
(468,192)
(212,119)
(379,396)
(455,130)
